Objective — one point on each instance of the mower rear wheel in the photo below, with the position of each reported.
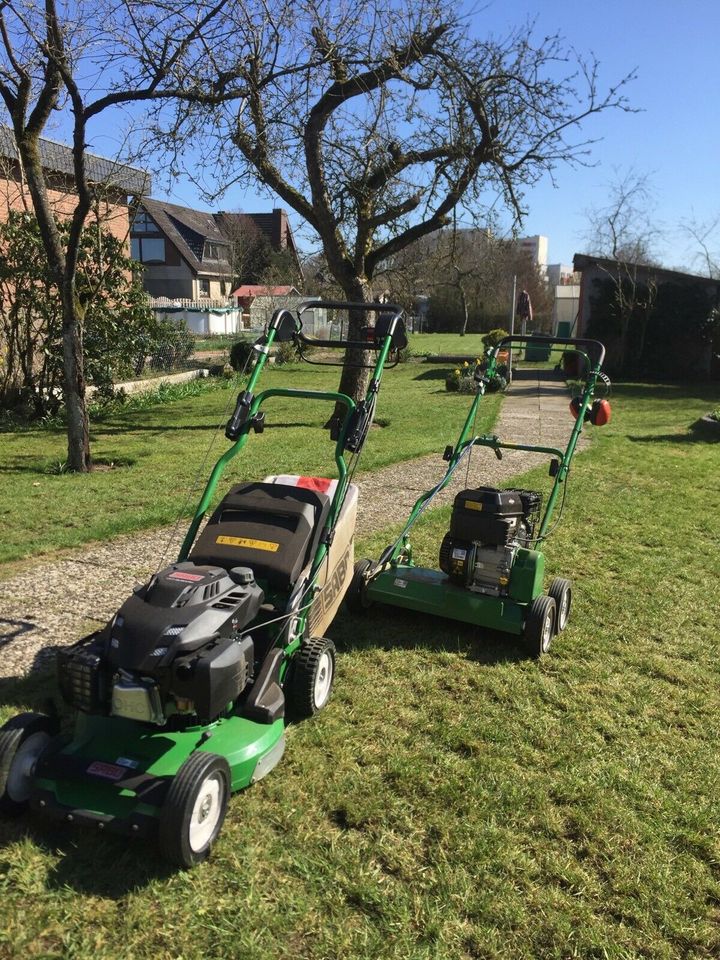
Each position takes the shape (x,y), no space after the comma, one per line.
(561,592)
(311,676)
(194,809)
(540,625)
(22,740)
(356,598)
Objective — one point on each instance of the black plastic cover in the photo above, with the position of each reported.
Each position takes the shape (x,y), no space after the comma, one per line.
(214,676)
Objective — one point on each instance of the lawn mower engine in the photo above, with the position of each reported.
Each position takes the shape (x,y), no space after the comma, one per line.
(174,651)
(487,527)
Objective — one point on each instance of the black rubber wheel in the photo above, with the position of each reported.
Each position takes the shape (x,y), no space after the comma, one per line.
(540,625)
(311,676)
(194,809)
(22,739)
(356,598)
(561,592)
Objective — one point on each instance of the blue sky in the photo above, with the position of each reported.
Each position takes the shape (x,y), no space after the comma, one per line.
(674,139)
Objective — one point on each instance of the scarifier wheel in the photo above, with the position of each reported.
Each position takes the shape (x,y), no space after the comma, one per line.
(311,676)
(540,625)
(356,598)
(561,592)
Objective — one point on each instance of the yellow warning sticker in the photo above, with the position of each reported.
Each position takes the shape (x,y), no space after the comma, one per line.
(247,542)
(473,505)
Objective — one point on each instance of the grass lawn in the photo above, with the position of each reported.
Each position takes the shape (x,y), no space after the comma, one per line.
(454,800)
(159,452)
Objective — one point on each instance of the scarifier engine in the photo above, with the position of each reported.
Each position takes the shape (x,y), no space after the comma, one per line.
(487,528)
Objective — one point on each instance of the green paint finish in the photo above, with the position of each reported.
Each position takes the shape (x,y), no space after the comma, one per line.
(526,576)
(156,752)
(429,591)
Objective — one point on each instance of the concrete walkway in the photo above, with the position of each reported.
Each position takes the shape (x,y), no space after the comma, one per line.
(55,602)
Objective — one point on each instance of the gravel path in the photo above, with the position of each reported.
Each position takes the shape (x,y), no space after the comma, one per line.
(55,602)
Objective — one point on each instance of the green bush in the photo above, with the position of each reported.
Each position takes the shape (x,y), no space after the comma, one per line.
(240,351)
(493,337)
(286,353)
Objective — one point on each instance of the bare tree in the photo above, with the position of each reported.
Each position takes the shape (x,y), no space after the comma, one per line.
(58,58)
(623,231)
(397,116)
(705,236)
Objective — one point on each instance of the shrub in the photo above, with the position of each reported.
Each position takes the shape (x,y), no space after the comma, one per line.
(240,351)
(286,353)
(493,337)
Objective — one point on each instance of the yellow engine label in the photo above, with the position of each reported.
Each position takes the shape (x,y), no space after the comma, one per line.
(247,542)
(473,505)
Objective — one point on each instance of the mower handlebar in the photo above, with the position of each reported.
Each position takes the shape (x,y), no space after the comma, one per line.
(391,309)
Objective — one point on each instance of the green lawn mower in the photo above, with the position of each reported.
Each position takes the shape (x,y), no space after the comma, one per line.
(491,565)
(184,696)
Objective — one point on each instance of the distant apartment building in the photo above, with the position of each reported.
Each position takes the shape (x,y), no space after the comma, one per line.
(537,248)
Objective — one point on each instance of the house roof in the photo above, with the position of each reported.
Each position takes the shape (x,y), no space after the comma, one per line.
(274,226)
(188,229)
(582,261)
(262,290)
(58,158)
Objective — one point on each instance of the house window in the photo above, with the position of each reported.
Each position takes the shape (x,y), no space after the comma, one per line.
(215,251)
(148,249)
(223,288)
(204,287)
(144,223)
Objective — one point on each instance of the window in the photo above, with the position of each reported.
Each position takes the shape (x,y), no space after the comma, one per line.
(148,249)
(223,288)
(215,251)
(144,223)
(204,287)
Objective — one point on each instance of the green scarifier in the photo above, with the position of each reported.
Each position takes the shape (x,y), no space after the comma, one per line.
(131,775)
(394,579)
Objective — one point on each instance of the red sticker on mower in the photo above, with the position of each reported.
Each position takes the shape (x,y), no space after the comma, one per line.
(189,577)
(111,771)
(319,484)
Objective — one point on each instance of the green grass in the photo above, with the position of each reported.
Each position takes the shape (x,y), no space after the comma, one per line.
(455,800)
(159,450)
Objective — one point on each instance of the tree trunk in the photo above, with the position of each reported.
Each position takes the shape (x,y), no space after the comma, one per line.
(78,428)
(354,377)
(463,300)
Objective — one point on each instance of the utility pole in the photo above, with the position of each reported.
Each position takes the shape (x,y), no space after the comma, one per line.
(512,325)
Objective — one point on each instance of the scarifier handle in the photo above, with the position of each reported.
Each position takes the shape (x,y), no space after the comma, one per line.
(595,345)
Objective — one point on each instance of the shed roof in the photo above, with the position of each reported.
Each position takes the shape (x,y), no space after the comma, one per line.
(263,290)
(582,261)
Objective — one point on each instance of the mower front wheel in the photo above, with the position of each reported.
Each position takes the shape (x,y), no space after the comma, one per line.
(311,676)
(540,625)
(22,740)
(194,809)
(561,592)
(356,598)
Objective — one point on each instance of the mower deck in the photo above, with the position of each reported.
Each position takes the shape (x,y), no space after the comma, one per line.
(115,773)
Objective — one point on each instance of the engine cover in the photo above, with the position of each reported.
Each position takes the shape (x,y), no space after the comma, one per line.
(181,609)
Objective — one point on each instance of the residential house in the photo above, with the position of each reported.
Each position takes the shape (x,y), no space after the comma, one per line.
(187,254)
(274,227)
(184,253)
(112,183)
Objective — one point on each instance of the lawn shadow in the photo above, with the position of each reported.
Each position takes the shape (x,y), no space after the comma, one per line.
(394,628)
(104,865)
(695,437)
(434,374)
